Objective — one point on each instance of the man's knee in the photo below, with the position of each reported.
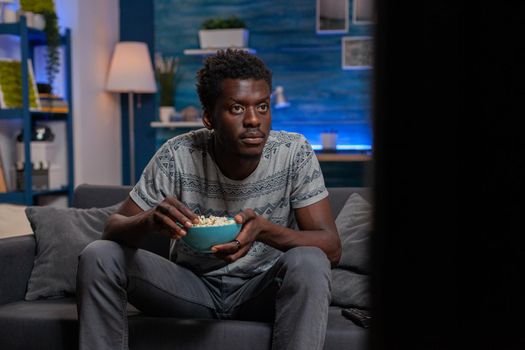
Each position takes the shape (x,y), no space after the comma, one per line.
(99,250)
(306,262)
(100,256)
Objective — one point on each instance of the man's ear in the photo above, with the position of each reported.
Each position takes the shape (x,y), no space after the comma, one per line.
(206,119)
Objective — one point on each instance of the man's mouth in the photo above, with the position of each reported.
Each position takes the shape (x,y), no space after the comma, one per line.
(252,138)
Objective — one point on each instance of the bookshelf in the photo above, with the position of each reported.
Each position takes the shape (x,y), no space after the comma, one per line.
(29,40)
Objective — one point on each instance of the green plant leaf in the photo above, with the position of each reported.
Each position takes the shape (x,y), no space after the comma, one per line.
(223,23)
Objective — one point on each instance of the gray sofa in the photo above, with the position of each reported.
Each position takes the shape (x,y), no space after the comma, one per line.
(52,324)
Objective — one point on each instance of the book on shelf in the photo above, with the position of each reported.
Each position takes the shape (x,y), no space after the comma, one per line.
(3,183)
(52,103)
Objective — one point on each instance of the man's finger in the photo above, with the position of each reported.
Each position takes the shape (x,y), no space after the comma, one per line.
(167,226)
(183,209)
(227,248)
(244,216)
(173,211)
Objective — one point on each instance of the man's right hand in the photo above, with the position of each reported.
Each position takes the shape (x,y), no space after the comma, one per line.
(130,223)
(171,217)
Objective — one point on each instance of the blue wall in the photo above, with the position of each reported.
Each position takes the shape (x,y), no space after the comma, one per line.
(306,64)
(131,13)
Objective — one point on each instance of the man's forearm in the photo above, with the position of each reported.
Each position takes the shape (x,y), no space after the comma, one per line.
(284,238)
(128,230)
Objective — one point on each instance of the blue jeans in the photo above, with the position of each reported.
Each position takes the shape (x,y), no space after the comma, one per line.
(294,294)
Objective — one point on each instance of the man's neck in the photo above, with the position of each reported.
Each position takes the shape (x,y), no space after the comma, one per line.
(233,166)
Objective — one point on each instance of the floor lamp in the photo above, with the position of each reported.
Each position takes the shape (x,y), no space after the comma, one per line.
(131,71)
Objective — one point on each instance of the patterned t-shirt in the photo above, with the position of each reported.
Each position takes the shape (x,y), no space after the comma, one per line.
(287,177)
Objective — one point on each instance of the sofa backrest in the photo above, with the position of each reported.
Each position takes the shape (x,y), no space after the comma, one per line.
(98,196)
(89,196)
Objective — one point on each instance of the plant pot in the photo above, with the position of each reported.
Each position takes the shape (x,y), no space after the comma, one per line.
(39,22)
(165,113)
(223,38)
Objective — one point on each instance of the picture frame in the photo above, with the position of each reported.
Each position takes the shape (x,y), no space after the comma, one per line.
(11,85)
(357,52)
(363,12)
(332,16)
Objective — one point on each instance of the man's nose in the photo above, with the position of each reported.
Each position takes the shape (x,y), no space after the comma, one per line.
(251,119)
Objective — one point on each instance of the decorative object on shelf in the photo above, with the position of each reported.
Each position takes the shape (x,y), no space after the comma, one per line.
(131,71)
(44,153)
(39,176)
(332,16)
(50,102)
(219,33)
(363,12)
(166,73)
(357,52)
(190,114)
(4,9)
(329,140)
(11,85)
(39,21)
(46,8)
(38,133)
(280,100)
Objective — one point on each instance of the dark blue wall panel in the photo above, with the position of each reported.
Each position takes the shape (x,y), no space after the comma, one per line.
(306,64)
(136,24)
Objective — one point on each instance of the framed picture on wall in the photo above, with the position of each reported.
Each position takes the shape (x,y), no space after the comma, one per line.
(363,12)
(332,16)
(357,52)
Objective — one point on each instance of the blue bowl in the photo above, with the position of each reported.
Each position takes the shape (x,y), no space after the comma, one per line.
(202,238)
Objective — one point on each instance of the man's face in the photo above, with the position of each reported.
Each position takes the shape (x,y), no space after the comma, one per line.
(242,117)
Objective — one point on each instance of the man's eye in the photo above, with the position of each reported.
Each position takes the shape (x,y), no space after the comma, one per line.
(263,108)
(237,109)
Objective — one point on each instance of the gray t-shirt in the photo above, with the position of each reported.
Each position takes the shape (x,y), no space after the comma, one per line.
(288,177)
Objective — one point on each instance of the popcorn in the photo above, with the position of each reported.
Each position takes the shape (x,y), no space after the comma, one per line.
(214,221)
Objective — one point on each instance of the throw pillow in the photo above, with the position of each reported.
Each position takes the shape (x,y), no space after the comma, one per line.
(350,289)
(354,224)
(61,234)
(350,280)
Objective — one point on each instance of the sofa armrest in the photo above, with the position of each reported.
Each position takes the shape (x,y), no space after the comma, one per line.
(16,262)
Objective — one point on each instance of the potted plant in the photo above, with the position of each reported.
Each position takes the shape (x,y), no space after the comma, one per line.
(47,9)
(165,71)
(219,33)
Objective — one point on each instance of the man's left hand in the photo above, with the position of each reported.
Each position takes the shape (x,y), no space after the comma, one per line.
(236,249)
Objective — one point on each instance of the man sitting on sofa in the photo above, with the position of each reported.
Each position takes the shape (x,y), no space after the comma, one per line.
(278,267)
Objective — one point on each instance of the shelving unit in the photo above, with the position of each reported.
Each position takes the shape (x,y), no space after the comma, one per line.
(29,39)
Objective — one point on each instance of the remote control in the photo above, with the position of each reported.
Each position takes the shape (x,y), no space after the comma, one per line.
(360,317)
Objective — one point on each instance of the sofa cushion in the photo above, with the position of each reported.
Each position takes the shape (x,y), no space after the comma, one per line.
(53,325)
(350,280)
(13,221)
(61,234)
(350,289)
(354,224)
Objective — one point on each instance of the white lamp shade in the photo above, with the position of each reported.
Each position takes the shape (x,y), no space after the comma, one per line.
(131,69)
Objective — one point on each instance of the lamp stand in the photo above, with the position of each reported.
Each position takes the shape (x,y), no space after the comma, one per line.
(131,127)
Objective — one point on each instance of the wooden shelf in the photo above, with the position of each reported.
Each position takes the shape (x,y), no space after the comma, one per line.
(204,52)
(177,125)
(343,157)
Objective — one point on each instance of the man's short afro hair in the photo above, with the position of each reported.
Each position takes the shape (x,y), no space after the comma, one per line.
(228,64)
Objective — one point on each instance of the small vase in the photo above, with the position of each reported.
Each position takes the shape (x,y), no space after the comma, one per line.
(165,113)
